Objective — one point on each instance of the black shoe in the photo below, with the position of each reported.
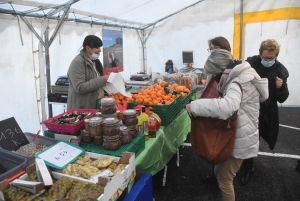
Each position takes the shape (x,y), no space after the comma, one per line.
(298,166)
(211,179)
(247,177)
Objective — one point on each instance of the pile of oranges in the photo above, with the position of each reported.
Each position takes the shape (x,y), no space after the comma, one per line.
(154,95)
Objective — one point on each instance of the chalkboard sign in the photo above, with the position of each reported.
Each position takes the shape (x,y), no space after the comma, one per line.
(11,135)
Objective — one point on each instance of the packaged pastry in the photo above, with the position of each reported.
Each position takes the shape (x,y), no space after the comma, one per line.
(59,189)
(87,171)
(103,162)
(75,191)
(92,192)
(17,194)
(83,159)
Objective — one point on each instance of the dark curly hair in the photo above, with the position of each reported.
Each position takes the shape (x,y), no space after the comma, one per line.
(92,41)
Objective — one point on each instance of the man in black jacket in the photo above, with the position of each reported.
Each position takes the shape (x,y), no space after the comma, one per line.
(267,66)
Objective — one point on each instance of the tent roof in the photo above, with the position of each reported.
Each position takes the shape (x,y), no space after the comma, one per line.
(135,13)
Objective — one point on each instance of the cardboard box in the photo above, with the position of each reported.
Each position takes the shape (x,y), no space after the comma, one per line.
(43,172)
(114,186)
(5,183)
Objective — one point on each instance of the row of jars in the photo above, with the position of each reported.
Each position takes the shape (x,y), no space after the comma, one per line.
(113,142)
(110,131)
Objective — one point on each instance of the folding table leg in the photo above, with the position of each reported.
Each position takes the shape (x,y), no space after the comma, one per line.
(165,175)
(178,158)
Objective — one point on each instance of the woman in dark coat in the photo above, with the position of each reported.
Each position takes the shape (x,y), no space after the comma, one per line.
(267,66)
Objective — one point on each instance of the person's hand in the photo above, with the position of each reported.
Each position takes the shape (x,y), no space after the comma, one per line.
(188,107)
(106,77)
(279,82)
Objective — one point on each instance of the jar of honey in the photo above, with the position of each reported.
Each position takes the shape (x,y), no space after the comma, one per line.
(112,142)
(108,106)
(129,118)
(95,126)
(110,126)
(125,136)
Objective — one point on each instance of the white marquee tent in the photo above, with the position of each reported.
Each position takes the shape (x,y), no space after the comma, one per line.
(167,28)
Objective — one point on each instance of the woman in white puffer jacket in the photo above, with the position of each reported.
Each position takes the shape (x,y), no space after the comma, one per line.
(220,64)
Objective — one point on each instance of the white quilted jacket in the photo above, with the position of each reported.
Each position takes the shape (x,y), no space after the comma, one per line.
(255,90)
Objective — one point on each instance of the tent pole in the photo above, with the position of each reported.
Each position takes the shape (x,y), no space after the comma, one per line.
(143,40)
(47,57)
(241,28)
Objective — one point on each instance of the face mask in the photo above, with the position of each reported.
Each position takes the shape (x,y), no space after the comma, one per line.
(267,64)
(94,56)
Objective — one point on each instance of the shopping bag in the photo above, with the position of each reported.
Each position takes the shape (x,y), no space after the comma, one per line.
(211,138)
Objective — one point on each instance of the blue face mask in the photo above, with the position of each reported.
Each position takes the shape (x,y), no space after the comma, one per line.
(267,64)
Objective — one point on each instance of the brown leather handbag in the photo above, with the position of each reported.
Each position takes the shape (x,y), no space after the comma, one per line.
(211,138)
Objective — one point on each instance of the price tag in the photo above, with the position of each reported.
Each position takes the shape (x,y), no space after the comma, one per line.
(60,154)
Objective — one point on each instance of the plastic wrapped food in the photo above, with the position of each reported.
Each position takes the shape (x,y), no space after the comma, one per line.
(32,177)
(189,80)
(75,191)
(160,78)
(174,78)
(30,149)
(17,194)
(59,189)
(92,192)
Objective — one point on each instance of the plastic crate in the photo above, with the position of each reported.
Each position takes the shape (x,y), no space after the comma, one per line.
(51,134)
(188,97)
(167,113)
(12,164)
(137,145)
(41,140)
(68,128)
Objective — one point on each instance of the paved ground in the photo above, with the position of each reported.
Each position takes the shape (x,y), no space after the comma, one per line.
(275,178)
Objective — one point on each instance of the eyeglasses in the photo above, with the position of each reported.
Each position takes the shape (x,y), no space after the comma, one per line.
(209,50)
(267,58)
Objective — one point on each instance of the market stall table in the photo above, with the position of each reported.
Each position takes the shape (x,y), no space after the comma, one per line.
(158,151)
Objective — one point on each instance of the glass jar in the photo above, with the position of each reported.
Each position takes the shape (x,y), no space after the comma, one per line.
(110,126)
(132,131)
(108,106)
(125,136)
(98,140)
(98,114)
(112,142)
(95,126)
(129,118)
(86,124)
(86,136)
(115,115)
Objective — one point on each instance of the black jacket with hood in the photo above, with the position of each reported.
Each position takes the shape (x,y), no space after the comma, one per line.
(269,118)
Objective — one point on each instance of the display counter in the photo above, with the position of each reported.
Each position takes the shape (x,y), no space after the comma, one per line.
(158,151)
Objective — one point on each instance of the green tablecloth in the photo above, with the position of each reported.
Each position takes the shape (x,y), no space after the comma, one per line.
(158,151)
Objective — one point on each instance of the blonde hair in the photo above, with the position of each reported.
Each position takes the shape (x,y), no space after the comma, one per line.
(271,45)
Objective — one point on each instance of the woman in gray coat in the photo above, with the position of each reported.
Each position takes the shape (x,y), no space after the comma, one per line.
(220,64)
(86,76)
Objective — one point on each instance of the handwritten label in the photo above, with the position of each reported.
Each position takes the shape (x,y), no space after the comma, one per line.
(60,154)
(11,135)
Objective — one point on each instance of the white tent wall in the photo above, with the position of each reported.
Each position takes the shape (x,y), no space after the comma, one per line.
(287,34)
(18,70)
(190,30)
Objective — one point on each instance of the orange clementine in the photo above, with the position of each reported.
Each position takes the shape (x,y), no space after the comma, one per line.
(163,83)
